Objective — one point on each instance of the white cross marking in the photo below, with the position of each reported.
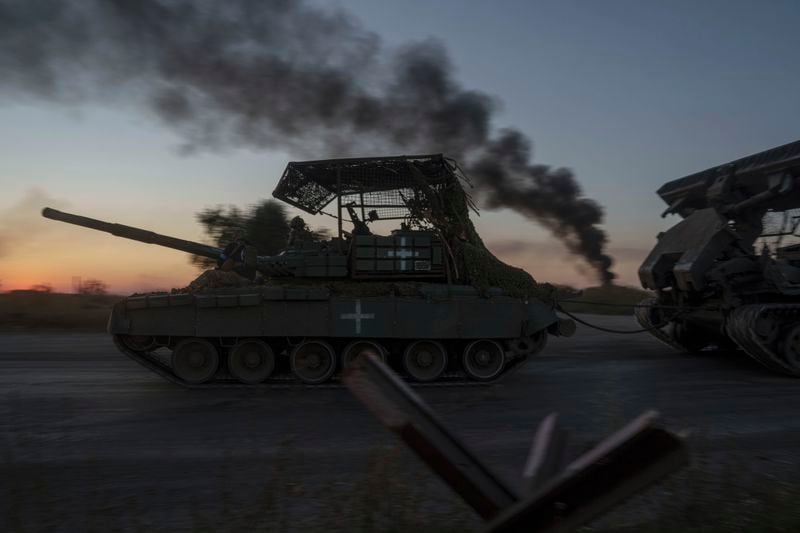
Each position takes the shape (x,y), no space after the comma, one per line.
(358,316)
(402,254)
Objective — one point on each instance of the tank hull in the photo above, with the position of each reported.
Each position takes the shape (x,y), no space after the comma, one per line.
(148,327)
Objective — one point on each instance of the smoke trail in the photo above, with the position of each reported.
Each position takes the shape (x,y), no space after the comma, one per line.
(551,196)
(288,75)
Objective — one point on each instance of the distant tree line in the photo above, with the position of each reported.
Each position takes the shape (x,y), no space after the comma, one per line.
(90,286)
(93,286)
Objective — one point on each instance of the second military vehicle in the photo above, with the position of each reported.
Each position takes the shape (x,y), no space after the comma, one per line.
(428,297)
(728,274)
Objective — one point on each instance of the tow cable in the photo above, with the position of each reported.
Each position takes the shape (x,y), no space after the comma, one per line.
(681,310)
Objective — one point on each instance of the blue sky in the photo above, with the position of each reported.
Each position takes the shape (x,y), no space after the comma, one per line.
(627,94)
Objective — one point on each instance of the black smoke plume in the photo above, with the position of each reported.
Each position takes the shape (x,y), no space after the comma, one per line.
(290,75)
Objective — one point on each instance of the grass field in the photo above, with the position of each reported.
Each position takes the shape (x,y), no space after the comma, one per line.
(621,297)
(40,310)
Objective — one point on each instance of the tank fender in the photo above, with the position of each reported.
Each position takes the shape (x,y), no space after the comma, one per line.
(540,316)
(118,321)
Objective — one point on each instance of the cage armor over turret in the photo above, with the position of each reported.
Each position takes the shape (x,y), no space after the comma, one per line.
(428,297)
(728,274)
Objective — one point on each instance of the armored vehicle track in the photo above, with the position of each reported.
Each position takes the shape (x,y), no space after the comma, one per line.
(770,334)
(159,363)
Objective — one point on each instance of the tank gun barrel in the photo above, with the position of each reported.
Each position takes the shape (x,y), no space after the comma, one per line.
(268,265)
(136,234)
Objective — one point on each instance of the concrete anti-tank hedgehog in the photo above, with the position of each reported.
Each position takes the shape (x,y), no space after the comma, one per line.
(428,298)
(728,274)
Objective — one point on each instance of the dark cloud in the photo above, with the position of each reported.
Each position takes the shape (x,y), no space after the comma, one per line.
(284,74)
(551,196)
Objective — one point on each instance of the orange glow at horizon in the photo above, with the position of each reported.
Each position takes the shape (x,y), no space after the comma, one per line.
(35,250)
(138,268)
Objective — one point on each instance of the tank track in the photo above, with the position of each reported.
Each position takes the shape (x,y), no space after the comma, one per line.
(742,327)
(223,380)
(642,314)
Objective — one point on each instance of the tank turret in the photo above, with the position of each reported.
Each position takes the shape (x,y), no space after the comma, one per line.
(401,255)
(309,260)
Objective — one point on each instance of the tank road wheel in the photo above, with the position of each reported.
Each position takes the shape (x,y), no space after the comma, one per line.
(483,360)
(352,352)
(425,360)
(195,360)
(251,361)
(791,349)
(313,361)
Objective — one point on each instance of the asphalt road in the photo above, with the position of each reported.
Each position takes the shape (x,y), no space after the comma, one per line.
(92,441)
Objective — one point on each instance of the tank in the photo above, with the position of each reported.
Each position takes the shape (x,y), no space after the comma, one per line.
(728,274)
(427,297)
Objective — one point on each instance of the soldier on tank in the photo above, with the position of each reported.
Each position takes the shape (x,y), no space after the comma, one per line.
(236,267)
(359,226)
(241,257)
(299,232)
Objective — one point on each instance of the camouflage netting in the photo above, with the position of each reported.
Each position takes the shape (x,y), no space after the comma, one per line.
(215,279)
(447,210)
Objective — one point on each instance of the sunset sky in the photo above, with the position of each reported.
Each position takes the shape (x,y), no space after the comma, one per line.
(628,94)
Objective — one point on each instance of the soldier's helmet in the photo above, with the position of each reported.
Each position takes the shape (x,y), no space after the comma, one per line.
(297,223)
